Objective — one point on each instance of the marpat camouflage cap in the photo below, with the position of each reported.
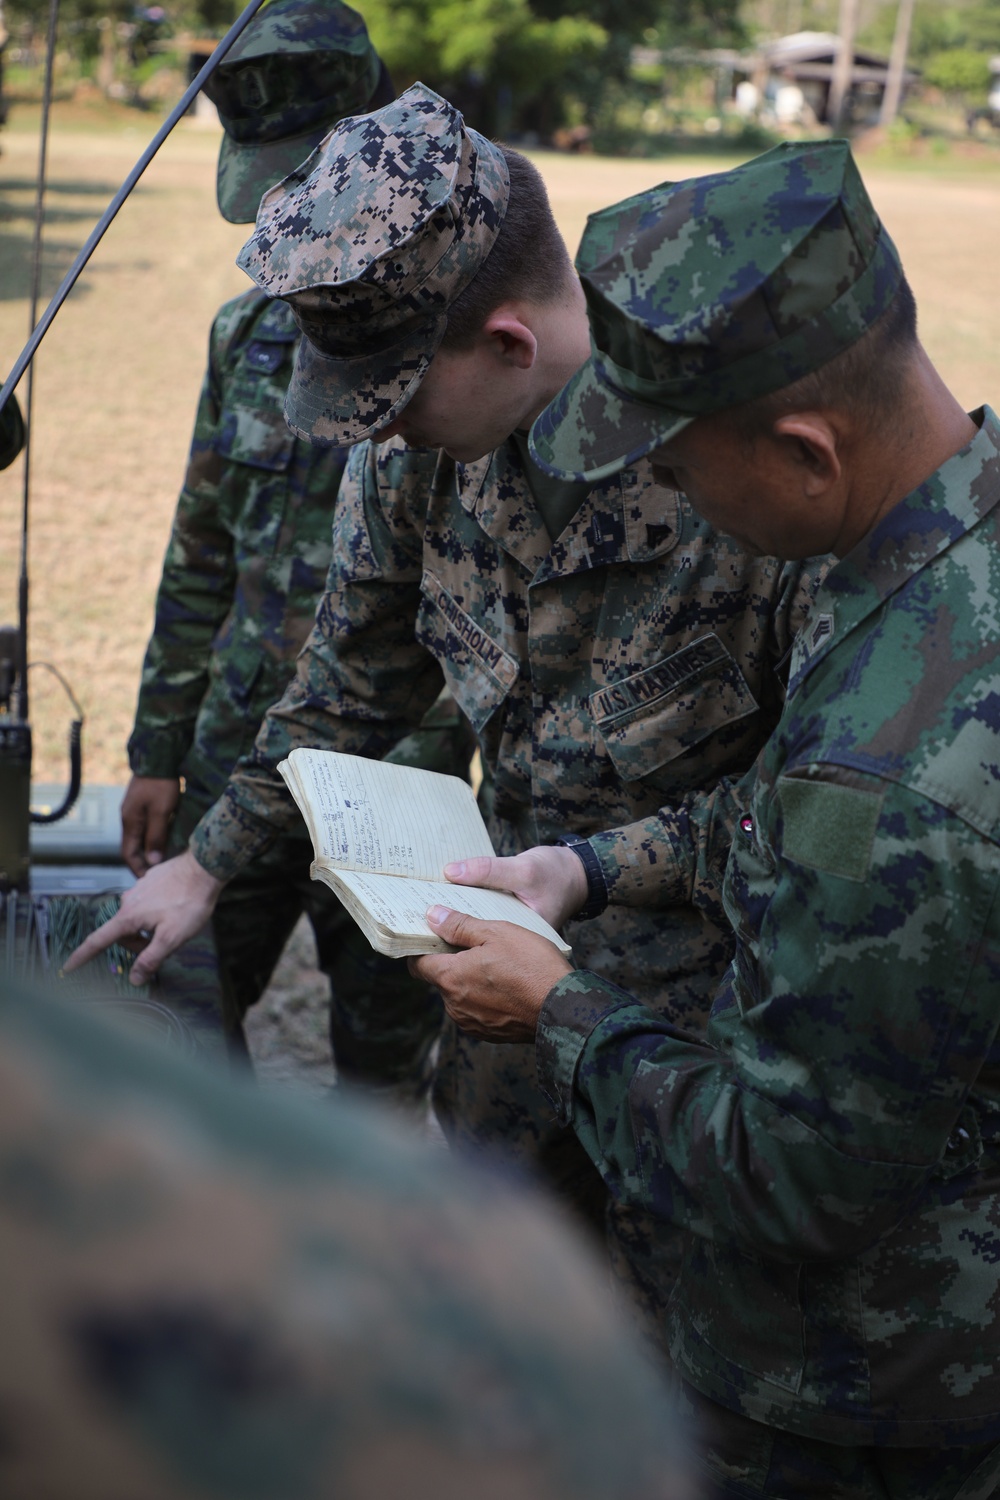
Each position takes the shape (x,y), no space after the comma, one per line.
(710,292)
(371,240)
(300,66)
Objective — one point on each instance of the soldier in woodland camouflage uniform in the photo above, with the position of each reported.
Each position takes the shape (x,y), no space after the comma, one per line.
(211,1294)
(612,653)
(246,564)
(834,1143)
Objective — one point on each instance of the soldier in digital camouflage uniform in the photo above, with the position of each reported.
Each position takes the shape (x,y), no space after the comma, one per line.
(221,1295)
(246,565)
(612,653)
(834,1143)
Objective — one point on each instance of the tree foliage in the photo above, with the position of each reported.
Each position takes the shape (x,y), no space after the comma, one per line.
(512,65)
(518,65)
(969,25)
(498,56)
(959,70)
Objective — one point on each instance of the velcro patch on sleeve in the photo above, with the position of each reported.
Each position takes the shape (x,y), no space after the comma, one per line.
(828,826)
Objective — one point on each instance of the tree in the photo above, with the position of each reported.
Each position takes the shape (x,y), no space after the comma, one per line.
(497,60)
(519,65)
(897,63)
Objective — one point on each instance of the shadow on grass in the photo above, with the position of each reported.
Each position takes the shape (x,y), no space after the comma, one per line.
(58,254)
(15,267)
(53,185)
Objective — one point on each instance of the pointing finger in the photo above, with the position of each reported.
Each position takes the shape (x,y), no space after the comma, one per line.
(116,928)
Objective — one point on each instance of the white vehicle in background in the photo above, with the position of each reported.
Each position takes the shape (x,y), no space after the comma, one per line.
(977,118)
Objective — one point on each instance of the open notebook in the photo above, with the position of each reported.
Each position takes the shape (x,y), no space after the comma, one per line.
(382,834)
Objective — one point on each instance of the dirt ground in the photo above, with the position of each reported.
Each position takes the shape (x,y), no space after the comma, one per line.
(118,376)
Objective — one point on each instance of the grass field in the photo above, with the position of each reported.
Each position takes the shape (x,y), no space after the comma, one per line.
(118,376)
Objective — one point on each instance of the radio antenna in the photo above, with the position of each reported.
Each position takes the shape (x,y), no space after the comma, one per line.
(36,282)
(15,731)
(110,213)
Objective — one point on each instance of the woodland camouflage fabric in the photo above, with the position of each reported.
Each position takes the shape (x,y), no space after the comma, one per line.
(246,562)
(627,666)
(222,1294)
(835,1147)
(245,567)
(418,199)
(708,293)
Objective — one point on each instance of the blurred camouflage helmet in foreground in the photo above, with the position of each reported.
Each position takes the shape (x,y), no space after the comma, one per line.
(221,1294)
(707,293)
(300,66)
(371,240)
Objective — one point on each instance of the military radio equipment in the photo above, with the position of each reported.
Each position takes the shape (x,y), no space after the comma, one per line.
(15,770)
(33,910)
(15,729)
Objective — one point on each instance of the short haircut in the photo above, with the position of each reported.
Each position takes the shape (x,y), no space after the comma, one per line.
(528,260)
(866,379)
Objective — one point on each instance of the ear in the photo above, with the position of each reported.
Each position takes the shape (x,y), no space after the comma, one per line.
(812,442)
(511,339)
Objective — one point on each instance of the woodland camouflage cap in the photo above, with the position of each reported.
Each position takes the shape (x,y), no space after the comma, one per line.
(300,66)
(371,240)
(707,293)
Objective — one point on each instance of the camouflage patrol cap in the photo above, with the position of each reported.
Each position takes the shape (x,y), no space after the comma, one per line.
(299,67)
(371,240)
(708,293)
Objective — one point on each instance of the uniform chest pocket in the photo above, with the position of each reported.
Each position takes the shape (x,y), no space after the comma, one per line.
(256,447)
(265,357)
(655,715)
(255,436)
(479,672)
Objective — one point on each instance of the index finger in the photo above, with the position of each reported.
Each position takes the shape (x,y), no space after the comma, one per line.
(113,930)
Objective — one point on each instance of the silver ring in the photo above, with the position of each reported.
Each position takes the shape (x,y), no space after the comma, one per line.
(145,933)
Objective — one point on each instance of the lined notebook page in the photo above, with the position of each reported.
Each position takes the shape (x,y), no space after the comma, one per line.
(401,905)
(397,820)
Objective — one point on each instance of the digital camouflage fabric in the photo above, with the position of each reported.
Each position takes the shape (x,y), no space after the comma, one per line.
(630,666)
(371,239)
(299,67)
(707,293)
(244,570)
(753,1460)
(835,1144)
(221,1293)
(627,663)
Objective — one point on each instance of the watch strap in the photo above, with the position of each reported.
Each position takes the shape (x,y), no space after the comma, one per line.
(597,890)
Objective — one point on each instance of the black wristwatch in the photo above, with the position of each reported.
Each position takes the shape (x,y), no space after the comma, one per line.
(597,890)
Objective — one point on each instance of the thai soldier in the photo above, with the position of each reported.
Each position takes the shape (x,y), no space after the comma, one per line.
(833,1143)
(612,653)
(246,565)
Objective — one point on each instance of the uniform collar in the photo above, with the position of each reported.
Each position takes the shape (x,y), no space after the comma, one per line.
(916,531)
(625,518)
